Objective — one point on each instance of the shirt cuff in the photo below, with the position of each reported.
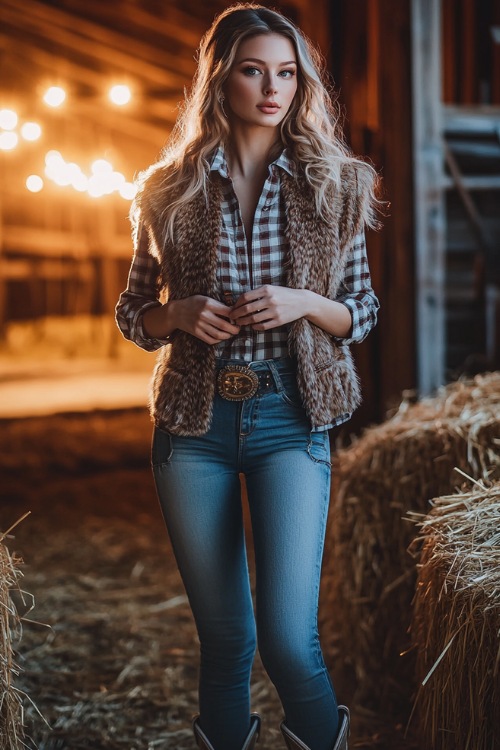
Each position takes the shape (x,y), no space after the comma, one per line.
(357,332)
(140,335)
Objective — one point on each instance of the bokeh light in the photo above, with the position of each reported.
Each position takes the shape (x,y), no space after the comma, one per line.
(34,183)
(31,131)
(54,96)
(8,140)
(128,191)
(103,179)
(120,94)
(8,119)
(101,166)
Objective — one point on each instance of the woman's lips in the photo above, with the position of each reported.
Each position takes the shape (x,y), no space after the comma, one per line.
(268,109)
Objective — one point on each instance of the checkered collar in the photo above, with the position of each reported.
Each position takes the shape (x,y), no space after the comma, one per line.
(218,162)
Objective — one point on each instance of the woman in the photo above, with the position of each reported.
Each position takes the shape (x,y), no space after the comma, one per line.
(250,276)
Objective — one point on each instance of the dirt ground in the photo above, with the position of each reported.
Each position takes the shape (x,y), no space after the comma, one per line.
(109,651)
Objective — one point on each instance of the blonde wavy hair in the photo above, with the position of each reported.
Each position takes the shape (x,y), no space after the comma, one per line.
(310,130)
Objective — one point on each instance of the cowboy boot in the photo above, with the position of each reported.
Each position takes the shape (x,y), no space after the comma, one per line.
(204,743)
(293,742)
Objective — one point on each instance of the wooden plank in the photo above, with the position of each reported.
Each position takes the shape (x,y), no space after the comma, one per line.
(428,197)
(448,34)
(48,242)
(313,24)
(44,241)
(372,77)
(166,23)
(14,269)
(468,68)
(495,56)
(482,118)
(115,49)
(474,182)
(387,359)
(398,349)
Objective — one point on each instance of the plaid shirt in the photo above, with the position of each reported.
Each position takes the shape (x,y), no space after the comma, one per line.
(241,269)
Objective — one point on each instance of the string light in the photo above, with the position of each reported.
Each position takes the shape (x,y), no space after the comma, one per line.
(101,166)
(8,119)
(128,191)
(54,96)
(31,131)
(120,95)
(34,183)
(8,140)
(103,180)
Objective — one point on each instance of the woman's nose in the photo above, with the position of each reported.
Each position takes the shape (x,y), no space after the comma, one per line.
(269,87)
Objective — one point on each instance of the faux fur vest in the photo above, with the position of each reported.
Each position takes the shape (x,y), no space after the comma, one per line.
(184,377)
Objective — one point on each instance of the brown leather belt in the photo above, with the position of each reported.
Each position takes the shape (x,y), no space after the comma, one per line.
(237,382)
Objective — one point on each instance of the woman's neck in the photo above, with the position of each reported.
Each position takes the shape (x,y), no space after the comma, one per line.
(250,152)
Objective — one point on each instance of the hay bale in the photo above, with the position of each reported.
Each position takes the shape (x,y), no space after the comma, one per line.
(456,622)
(11,708)
(368,575)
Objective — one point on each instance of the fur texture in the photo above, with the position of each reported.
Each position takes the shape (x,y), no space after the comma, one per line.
(184,377)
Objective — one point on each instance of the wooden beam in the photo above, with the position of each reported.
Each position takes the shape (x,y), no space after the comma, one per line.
(172,23)
(495,55)
(484,119)
(37,18)
(468,72)
(449,45)
(54,243)
(121,121)
(428,197)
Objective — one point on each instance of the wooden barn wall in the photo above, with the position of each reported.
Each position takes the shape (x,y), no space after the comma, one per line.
(471,51)
(367,45)
(370,60)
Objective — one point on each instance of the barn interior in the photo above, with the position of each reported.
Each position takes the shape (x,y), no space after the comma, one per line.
(89,92)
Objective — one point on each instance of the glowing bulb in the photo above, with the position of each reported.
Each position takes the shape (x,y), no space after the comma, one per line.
(73,171)
(53,157)
(34,183)
(61,176)
(8,141)
(120,95)
(101,166)
(8,119)
(118,180)
(80,182)
(31,131)
(54,96)
(54,165)
(94,188)
(128,191)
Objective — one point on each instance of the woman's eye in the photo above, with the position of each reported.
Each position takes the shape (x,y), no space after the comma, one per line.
(287,73)
(251,71)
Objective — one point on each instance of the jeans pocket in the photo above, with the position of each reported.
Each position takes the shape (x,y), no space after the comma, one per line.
(161,447)
(290,393)
(318,448)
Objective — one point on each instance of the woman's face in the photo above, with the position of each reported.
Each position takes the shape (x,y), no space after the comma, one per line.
(262,82)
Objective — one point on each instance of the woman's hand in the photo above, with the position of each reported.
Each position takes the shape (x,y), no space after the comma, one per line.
(198,315)
(272,306)
(269,307)
(203,317)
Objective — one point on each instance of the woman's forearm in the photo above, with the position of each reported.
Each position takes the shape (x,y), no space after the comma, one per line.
(333,317)
(159,322)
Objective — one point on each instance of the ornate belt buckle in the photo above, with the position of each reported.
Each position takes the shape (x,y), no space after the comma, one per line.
(237,382)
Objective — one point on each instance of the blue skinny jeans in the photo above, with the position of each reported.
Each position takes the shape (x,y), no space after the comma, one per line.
(287,473)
